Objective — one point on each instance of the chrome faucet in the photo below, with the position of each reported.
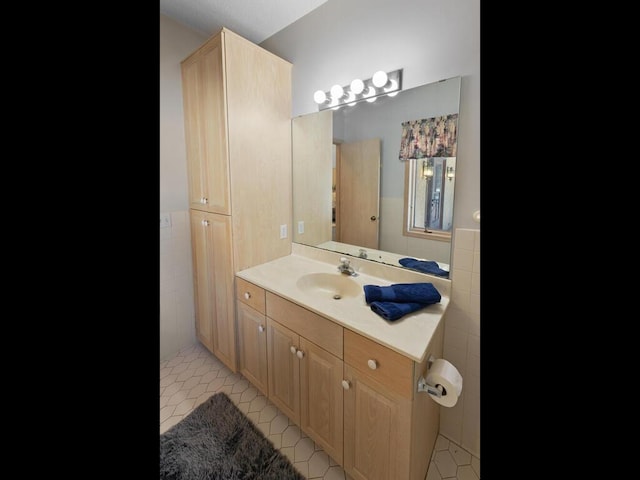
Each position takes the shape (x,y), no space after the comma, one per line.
(345,268)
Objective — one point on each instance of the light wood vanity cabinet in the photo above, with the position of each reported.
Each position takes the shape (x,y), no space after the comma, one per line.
(306,370)
(252,334)
(211,241)
(284,368)
(390,428)
(377,410)
(237,111)
(357,398)
(376,424)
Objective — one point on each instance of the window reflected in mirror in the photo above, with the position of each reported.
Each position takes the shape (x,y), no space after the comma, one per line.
(429,187)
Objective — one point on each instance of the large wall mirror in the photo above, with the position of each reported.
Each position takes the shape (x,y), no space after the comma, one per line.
(355,194)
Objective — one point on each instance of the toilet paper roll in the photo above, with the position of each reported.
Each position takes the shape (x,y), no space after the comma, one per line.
(447,376)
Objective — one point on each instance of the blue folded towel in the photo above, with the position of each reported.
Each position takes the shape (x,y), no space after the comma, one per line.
(424,293)
(392,311)
(424,266)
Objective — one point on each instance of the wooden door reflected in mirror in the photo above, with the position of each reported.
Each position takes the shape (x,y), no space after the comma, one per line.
(358,192)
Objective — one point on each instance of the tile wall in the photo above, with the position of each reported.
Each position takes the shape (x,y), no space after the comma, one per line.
(461,423)
(177,314)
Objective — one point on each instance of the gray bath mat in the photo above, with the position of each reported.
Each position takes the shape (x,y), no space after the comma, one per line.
(216,441)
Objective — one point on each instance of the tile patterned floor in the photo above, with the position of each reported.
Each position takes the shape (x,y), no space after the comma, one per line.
(194,374)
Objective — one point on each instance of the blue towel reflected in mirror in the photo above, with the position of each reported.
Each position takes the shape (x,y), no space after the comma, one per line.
(424,266)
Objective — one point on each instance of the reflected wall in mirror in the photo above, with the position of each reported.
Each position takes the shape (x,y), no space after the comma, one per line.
(335,160)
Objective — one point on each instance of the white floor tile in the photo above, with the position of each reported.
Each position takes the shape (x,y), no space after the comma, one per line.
(304,449)
(442,443)
(446,464)
(318,464)
(194,374)
(279,424)
(460,456)
(335,473)
(432,473)
(466,473)
(291,436)
(475,464)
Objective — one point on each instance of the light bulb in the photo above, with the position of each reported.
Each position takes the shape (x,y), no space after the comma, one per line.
(351,97)
(370,93)
(380,79)
(320,97)
(337,91)
(393,86)
(357,86)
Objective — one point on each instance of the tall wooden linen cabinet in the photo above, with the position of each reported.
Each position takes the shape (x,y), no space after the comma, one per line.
(237,107)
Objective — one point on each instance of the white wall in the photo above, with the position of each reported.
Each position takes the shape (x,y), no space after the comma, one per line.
(176,43)
(430,40)
(177,321)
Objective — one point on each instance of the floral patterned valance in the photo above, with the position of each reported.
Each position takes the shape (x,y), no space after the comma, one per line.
(429,137)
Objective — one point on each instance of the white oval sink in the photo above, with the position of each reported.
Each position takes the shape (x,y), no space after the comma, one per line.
(329,285)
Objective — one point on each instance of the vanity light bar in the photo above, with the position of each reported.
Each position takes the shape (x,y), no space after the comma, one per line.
(381,83)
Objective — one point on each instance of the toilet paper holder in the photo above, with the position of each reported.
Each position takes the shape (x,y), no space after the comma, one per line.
(423,386)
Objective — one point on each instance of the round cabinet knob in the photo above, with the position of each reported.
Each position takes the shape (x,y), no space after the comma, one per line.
(345,384)
(205,222)
(293,349)
(205,200)
(300,354)
(260,328)
(201,199)
(372,364)
(373,218)
(247,295)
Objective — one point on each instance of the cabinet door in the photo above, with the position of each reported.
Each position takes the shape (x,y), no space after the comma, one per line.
(206,129)
(252,354)
(284,369)
(201,279)
(321,390)
(377,430)
(213,274)
(219,260)
(191,98)
(214,128)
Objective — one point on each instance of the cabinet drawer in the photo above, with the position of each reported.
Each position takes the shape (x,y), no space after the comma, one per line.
(250,294)
(319,330)
(392,370)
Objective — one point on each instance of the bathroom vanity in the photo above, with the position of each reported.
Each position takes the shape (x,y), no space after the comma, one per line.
(347,377)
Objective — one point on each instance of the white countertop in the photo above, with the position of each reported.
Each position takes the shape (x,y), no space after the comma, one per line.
(409,335)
